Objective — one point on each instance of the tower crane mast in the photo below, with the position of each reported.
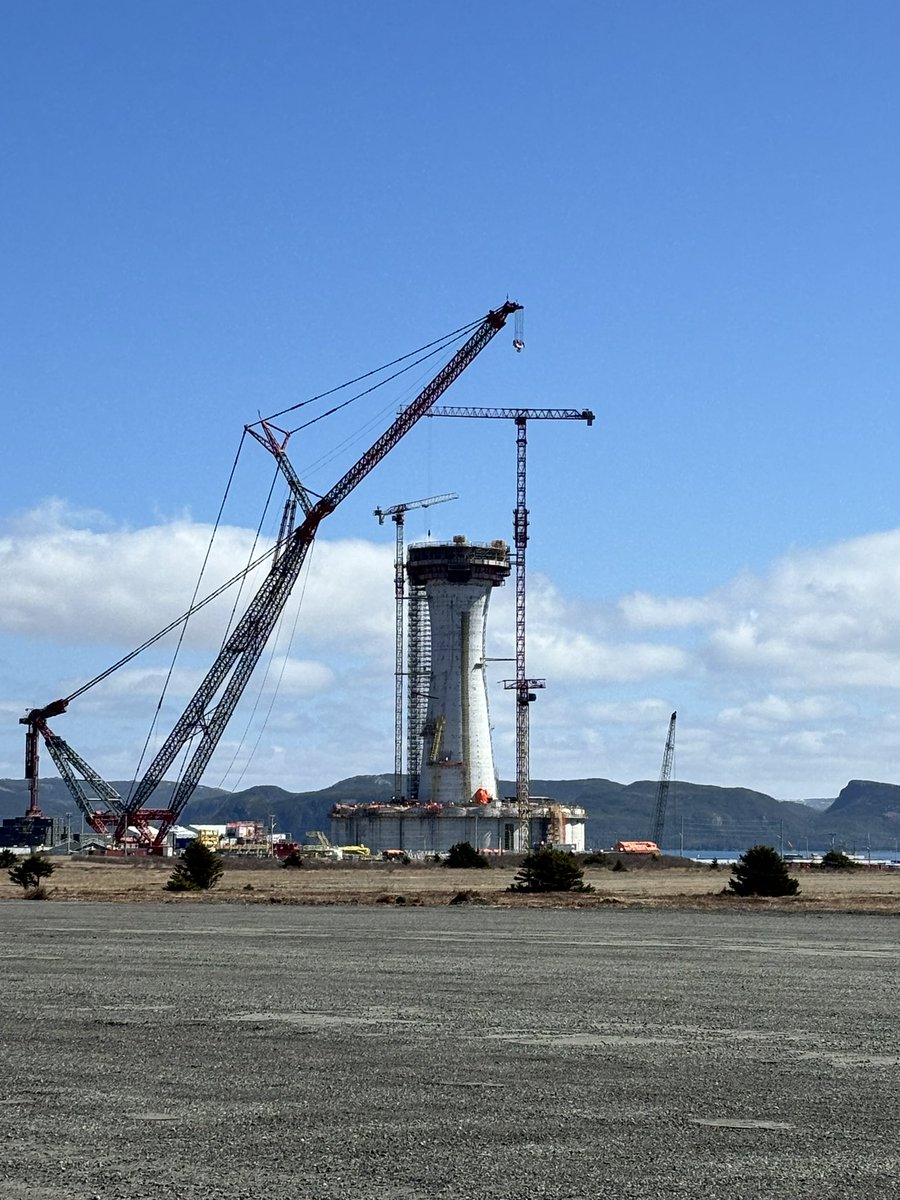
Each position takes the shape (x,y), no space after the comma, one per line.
(662,788)
(212,705)
(397,513)
(523,686)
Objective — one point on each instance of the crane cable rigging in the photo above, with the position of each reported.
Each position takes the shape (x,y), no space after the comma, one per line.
(440,344)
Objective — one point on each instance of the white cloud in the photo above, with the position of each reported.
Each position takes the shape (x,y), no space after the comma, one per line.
(643,611)
(785,681)
(65,583)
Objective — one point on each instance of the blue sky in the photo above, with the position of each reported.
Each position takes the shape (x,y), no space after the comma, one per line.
(213,210)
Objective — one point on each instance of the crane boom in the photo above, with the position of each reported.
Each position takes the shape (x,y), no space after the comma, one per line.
(662,789)
(398,509)
(214,701)
(207,715)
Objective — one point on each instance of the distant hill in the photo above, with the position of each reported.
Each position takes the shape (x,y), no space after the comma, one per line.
(704,816)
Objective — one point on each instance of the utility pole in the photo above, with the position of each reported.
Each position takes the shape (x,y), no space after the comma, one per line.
(522,685)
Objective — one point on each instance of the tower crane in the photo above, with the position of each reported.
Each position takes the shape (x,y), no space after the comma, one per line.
(397,513)
(523,686)
(198,730)
(662,788)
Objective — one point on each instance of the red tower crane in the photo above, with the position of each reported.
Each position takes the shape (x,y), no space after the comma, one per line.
(208,712)
(522,685)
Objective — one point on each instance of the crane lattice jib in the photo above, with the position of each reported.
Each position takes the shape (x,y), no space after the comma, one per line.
(516,414)
(69,764)
(205,714)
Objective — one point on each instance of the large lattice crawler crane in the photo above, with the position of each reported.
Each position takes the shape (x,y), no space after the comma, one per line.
(198,730)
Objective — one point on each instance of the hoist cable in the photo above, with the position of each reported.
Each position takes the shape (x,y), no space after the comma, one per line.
(445,344)
(191,610)
(464,329)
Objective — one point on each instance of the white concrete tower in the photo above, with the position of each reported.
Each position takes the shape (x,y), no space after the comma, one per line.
(457,760)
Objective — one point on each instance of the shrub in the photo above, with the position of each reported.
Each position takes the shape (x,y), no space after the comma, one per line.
(28,873)
(596,858)
(620,866)
(760,871)
(198,870)
(835,860)
(7,858)
(463,856)
(549,870)
(292,860)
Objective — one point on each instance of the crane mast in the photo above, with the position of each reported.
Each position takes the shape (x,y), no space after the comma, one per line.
(397,513)
(523,686)
(212,705)
(662,788)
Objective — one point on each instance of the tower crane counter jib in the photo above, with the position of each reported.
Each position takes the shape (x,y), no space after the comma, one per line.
(197,732)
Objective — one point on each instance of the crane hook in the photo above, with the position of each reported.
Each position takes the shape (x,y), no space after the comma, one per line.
(519,335)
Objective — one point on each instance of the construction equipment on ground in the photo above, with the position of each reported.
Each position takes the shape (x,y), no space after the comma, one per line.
(522,685)
(662,789)
(197,732)
(397,513)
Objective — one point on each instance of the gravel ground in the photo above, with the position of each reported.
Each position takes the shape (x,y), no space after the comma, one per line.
(219,1051)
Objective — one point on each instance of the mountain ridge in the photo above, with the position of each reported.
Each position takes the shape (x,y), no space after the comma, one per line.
(865,812)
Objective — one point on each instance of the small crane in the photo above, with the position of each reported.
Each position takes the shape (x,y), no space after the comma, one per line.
(397,513)
(662,788)
(522,685)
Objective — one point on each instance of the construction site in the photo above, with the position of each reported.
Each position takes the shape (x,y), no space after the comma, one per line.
(445,783)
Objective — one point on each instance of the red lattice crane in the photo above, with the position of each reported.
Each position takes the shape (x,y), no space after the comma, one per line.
(198,730)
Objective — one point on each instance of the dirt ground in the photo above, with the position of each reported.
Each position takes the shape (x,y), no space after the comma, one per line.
(220,1051)
(267,882)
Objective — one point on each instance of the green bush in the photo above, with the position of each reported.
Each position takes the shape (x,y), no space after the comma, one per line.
(464,857)
(7,858)
(596,858)
(549,870)
(28,873)
(292,860)
(760,871)
(198,870)
(835,860)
